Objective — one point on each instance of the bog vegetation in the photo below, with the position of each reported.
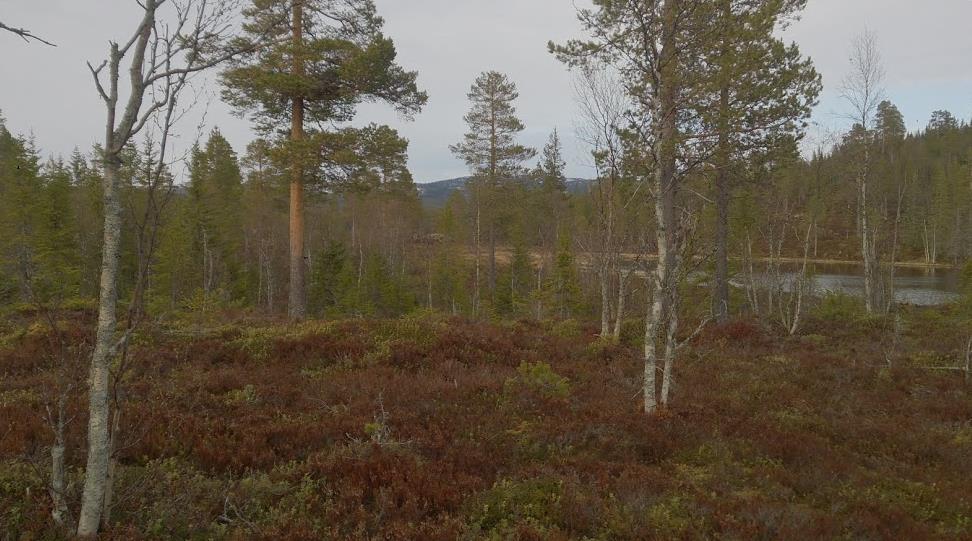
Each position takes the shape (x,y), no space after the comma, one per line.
(434,427)
(288,343)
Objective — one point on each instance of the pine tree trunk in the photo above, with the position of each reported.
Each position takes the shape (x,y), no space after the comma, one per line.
(492,261)
(720,294)
(298,295)
(539,290)
(477,293)
(720,291)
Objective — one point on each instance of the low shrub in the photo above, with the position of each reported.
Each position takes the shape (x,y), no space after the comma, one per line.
(512,508)
(839,308)
(540,378)
(507,432)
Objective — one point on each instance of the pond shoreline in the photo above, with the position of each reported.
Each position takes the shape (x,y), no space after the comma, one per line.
(504,255)
(823,261)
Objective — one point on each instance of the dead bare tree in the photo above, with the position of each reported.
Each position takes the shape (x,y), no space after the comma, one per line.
(165,51)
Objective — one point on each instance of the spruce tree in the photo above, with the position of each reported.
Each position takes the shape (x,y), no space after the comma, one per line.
(325,287)
(564,283)
(215,194)
(88,215)
(21,214)
(58,264)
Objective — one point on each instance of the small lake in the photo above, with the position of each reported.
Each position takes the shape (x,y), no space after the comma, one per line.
(919,286)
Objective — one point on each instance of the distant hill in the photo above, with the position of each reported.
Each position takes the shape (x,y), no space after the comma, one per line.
(435,194)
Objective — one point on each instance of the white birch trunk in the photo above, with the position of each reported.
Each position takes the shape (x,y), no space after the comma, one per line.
(866,247)
(664,132)
(652,319)
(619,319)
(801,285)
(96,469)
(671,347)
(60,512)
(59,508)
(605,301)
(107,503)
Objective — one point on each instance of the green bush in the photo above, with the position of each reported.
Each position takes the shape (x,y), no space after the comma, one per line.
(502,511)
(568,328)
(965,280)
(247,395)
(541,378)
(838,307)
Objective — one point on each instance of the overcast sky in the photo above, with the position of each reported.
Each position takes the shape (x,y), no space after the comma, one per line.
(926,47)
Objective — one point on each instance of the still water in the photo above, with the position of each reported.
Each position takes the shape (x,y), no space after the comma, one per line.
(915,286)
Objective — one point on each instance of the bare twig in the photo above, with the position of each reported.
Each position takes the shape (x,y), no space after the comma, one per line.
(25,34)
(698,330)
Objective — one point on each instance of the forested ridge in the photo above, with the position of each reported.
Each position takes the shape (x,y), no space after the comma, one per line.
(296,340)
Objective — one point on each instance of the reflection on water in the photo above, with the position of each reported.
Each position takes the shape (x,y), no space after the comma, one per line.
(916,286)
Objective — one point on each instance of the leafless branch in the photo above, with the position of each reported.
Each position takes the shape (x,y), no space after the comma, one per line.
(698,330)
(863,87)
(25,34)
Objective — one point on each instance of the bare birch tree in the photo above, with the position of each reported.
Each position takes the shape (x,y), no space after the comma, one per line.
(600,99)
(863,89)
(162,54)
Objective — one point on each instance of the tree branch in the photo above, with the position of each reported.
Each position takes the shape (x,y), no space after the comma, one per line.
(25,34)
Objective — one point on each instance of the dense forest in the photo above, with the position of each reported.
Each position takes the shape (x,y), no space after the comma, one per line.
(221,238)
(287,341)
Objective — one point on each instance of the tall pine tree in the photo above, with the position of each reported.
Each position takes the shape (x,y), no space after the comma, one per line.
(490,149)
(314,61)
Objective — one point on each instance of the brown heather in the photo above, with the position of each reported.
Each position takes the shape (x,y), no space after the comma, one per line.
(427,428)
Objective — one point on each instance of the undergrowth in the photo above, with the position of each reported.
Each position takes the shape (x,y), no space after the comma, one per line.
(435,428)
